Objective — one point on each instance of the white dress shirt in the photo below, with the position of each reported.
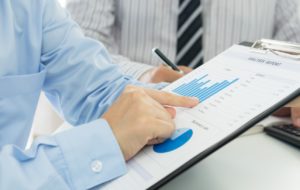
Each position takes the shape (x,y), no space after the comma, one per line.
(131,28)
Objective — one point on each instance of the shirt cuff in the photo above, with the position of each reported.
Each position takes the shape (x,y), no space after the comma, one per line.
(91,154)
(134,69)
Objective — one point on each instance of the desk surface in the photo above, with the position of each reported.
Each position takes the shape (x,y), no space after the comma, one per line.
(250,162)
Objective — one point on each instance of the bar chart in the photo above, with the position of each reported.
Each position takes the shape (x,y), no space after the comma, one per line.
(203,88)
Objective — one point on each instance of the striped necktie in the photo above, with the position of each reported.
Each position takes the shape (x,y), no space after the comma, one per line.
(189,34)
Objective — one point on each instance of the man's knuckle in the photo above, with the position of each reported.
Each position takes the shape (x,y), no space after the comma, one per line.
(135,94)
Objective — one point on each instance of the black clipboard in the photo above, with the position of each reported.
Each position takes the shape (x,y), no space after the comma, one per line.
(258,45)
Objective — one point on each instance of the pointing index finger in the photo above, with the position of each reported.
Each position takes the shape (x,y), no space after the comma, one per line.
(166,98)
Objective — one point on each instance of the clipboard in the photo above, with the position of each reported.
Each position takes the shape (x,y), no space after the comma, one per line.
(283,49)
(240,97)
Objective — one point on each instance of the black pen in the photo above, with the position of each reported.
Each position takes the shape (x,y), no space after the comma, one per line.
(165,60)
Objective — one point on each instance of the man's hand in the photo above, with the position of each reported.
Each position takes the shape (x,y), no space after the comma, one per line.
(293,112)
(143,116)
(295,115)
(163,74)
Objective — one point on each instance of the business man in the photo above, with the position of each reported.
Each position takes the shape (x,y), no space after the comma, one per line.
(190,32)
(43,49)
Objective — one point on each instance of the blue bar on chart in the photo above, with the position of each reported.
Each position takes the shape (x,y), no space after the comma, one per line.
(197,88)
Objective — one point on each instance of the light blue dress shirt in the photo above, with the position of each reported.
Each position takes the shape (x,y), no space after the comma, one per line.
(43,49)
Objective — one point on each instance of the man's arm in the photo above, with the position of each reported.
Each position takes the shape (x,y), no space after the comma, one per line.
(80,158)
(97,19)
(81,82)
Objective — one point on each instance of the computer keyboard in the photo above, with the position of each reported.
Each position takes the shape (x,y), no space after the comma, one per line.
(285,132)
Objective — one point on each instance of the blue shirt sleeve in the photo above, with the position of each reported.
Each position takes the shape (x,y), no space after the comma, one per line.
(81,82)
(80,158)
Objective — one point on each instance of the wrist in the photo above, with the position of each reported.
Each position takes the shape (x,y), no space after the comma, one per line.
(146,77)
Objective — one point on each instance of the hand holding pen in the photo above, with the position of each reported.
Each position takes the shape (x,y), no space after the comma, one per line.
(167,72)
(166,61)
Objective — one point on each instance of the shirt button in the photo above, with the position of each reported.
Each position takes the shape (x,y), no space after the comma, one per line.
(96,166)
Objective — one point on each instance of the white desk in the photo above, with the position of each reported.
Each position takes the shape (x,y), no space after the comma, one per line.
(254,162)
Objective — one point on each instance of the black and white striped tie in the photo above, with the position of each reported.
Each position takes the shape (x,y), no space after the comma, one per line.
(189,34)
